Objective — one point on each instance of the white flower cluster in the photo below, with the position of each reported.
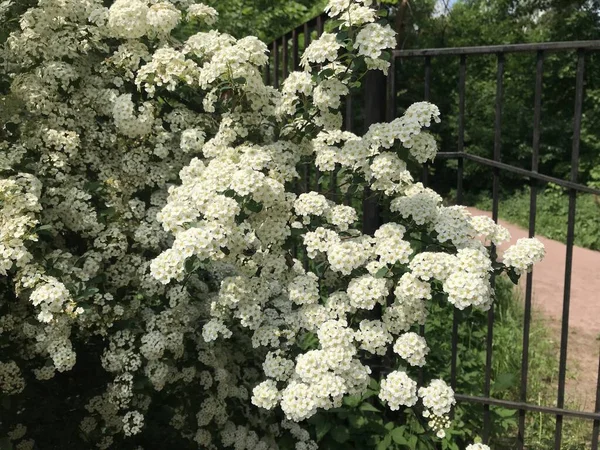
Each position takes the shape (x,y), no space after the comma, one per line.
(133,422)
(373,38)
(11,379)
(127,121)
(398,389)
(19,199)
(412,348)
(127,19)
(477,446)
(524,254)
(390,246)
(489,230)
(319,51)
(202,12)
(311,204)
(163,17)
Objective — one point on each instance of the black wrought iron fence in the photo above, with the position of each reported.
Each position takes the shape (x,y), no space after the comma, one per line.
(379,104)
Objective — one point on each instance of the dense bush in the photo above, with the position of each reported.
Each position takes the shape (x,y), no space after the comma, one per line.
(149,293)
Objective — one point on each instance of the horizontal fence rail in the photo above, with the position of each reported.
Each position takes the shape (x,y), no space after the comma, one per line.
(495,49)
(379,104)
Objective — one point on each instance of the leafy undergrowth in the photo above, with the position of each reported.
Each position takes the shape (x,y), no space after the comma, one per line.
(506,373)
(552,212)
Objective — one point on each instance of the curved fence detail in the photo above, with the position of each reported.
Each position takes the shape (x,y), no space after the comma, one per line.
(378,103)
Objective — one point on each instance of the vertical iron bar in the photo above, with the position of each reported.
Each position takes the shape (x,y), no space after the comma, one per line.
(306,35)
(462,75)
(349,126)
(319,26)
(305,167)
(425,176)
(295,52)
(285,56)
(427,83)
(374,101)
(275,65)
(267,75)
(562,367)
(537,117)
(495,194)
(459,199)
(390,113)
(596,426)
(426,95)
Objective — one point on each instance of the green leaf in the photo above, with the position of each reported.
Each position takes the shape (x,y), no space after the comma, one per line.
(385,443)
(357,421)
(254,206)
(373,384)
(340,434)
(5,444)
(89,292)
(309,341)
(370,393)
(412,442)
(322,428)
(93,186)
(352,401)
(368,407)
(190,264)
(504,412)
(381,272)
(504,381)
(326,73)
(398,435)
(514,277)
(44,228)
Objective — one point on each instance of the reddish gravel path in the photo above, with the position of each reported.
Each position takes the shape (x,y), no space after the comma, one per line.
(584,312)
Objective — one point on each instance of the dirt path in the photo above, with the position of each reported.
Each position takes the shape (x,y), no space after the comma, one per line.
(584,312)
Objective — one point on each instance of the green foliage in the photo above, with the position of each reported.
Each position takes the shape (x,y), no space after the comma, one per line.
(267,19)
(506,372)
(479,22)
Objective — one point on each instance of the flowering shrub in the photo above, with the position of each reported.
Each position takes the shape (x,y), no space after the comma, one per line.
(150,294)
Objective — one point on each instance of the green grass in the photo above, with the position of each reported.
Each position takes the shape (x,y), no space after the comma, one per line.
(552,211)
(506,373)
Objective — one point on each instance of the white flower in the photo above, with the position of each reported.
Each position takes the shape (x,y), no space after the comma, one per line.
(133,422)
(202,12)
(438,398)
(398,389)
(298,401)
(266,395)
(163,17)
(365,291)
(373,38)
(477,447)
(304,289)
(127,19)
(412,348)
(319,51)
(522,255)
